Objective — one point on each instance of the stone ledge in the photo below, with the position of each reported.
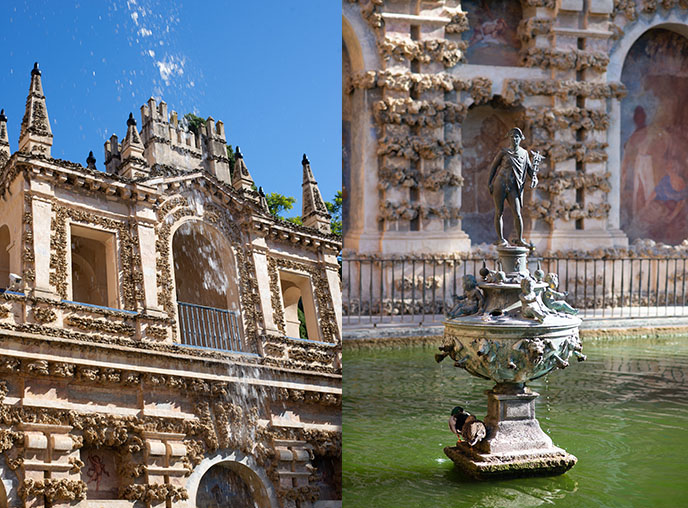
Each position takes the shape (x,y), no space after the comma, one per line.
(549,462)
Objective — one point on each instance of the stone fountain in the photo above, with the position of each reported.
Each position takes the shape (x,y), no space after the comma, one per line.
(510,328)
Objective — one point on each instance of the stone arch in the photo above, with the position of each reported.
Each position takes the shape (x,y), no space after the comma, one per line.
(676,21)
(9,485)
(5,241)
(359,55)
(241,465)
(171,214)
(646,138)
(205,273)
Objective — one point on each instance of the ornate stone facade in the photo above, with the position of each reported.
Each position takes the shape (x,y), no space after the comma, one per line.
(115,389)
(430,89)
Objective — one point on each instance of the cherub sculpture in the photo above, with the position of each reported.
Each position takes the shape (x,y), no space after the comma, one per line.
(554,299)
(531,307)
(470,302)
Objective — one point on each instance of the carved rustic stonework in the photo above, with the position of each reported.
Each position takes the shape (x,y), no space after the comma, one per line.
(118,394)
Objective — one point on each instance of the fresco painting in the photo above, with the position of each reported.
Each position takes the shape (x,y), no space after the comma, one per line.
(100,472)
(221,486)
(492,37)
(485,131)
(654,173)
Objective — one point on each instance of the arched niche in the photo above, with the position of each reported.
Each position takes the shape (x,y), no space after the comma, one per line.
(204,267)
(493,34)
(4,257)
(653,139)
(207,288)
(230,479)
(484,133)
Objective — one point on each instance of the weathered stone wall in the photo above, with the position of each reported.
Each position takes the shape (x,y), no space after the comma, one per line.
(105,403)
(438,62)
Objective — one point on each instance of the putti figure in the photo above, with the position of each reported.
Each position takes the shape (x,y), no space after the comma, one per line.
(531,307)
(554,299)
(470,302)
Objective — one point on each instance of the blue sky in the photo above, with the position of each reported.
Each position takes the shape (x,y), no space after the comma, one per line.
(269,70)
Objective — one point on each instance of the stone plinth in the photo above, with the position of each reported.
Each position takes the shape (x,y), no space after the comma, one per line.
(515,445)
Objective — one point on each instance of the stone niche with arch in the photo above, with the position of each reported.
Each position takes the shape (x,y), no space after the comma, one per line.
(654,138)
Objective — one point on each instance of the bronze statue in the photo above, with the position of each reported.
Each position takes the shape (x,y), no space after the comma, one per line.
(507,179)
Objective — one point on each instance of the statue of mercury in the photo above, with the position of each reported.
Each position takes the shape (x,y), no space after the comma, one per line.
(507,179)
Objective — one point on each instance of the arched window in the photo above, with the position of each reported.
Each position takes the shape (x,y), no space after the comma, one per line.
(299,306)
(205,275)
(4,257)
(231,484)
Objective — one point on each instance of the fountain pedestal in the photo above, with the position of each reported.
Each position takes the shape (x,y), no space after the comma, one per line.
(515,445)
(512,339)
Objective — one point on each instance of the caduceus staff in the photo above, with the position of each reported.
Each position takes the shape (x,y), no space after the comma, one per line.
(537,158)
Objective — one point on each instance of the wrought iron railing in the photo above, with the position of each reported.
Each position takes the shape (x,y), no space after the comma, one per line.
(209,327)
(419,289)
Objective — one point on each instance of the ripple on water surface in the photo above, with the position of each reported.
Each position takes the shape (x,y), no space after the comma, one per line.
(623,413)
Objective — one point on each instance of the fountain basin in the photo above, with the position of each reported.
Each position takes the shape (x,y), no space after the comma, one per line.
(509,349)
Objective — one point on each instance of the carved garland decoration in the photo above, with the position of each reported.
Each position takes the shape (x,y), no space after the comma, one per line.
(418,113)
(557,182)
(249,298)
(130,260)
(565,60)
(548,211)
(574,118)
(391,175)
(408,211)
(479,88)
(28,269)
(416,147)
(515,90)
(276,296)
(448,53)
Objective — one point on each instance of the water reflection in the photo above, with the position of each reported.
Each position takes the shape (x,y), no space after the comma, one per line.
(623,413)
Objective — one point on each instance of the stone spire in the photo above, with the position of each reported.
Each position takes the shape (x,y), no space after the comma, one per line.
(4,140)
(133,163)
(91,161)
(36,135)
(313,211)
(241,178)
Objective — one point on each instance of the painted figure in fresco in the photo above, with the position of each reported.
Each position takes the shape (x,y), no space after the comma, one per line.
(470,302)
(655,143)
(554,299)
(531,308)
(507,179)
(96,470)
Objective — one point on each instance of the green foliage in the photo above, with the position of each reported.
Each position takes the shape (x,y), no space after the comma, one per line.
(303,331)
(195,122)
(278,203)
(335,210)
(230,155)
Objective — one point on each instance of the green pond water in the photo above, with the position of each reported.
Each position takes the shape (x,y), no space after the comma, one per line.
(623,413)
